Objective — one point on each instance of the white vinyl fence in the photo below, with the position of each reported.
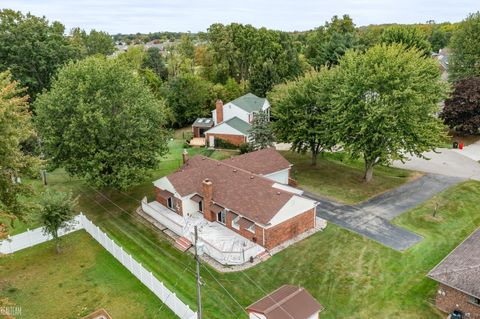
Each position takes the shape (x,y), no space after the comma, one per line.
(36,236)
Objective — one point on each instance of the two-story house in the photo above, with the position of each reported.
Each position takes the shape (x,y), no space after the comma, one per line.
(232,121)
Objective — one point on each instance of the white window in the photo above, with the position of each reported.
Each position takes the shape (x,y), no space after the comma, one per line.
(200,206)
(221,217)
(474,301)
(235,223)
(251,228)
(170,202)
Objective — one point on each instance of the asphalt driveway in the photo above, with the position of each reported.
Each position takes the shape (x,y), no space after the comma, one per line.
(372,217)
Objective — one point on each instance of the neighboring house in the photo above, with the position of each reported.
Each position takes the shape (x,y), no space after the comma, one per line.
(231,121)
(287,302)
(442,57)
(242,206)
(458,276)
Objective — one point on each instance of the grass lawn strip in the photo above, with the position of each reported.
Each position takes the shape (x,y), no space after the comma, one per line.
(83,278)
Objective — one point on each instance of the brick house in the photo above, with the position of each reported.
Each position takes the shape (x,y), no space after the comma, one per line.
(287,302)
(458,277)
(230,122)
(248,201)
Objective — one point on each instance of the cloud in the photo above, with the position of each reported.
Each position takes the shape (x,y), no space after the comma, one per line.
(122,16)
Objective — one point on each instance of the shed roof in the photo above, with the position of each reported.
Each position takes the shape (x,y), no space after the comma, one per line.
(203,122)
(287,302)
(461,268)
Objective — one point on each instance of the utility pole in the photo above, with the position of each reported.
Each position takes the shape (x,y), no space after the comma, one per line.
(199,283)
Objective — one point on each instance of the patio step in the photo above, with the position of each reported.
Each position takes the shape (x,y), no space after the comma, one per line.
(183,244)
(264,255)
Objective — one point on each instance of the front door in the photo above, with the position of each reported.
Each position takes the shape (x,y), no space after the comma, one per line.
(201,132)
(211,140)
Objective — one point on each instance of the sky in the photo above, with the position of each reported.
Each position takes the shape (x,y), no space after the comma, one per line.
(124,16)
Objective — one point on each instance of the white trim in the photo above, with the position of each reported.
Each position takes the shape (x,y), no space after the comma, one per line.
(297,205)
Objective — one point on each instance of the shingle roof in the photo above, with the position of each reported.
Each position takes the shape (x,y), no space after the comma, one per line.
(203,122)
(261,162)
(461,268)
(287,302)
(252,196)
(238,124)
(249,102)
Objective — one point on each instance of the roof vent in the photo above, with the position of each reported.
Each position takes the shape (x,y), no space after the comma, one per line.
(234,170)
(251,177)
(278,193)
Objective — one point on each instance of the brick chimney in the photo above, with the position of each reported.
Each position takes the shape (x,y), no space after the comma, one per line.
(185,156)
(207,199)
(219,109)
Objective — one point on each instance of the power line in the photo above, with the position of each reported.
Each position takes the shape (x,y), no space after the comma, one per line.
(228,293)
(225,305)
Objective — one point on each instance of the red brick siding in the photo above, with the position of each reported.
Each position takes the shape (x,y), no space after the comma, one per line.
(234,139)
(289,229)
(455,300)
(176,202)
(246,233)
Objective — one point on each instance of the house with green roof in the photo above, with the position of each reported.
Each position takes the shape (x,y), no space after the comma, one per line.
(231,122)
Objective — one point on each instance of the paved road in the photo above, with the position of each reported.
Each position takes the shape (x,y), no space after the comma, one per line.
(372,218)
(447,162)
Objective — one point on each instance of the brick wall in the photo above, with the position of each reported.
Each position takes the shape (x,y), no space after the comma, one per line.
(455,300)
(177,203)
(234,139)
(258,235)
(289,229)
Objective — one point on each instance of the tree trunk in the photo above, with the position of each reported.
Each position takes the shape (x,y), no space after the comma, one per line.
(57,246)
(314,158)
(368,171)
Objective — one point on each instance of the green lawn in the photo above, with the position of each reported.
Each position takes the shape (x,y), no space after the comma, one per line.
(83,278)
(337,177)
(353,277)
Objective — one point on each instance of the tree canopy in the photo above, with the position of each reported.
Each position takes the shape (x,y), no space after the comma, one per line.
(462,109)
(100,122)
(410,36)
(302,109)
(58,210)
(386,101)
(95,42)
(327,44)
(465,45)
(32,49)
(15,127)
(261,132)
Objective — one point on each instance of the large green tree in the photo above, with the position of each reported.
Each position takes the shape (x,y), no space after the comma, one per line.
(188,97)
(95,42)
(410,36)
(328,43)
(154,61)
(15,127)
(303,112)
(33,49)
(386,101)
(465,45)
(57,212)
(101,122)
